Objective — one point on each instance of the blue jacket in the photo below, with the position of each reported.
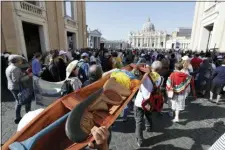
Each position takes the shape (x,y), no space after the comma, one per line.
(36,67)
(219,75)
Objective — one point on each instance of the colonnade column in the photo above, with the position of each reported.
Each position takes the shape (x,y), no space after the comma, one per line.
(147,41)
(159,43)
(149,44)
(137,42)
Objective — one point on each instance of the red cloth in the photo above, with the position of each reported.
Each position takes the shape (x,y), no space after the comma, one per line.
(195,62)
(176,78)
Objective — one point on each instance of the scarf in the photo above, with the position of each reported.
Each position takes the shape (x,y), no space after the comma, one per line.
(179,81)
(154,76)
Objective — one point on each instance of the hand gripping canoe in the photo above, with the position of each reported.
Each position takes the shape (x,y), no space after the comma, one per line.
(73,124)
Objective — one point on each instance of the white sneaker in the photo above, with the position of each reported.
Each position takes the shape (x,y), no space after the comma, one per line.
(175,120)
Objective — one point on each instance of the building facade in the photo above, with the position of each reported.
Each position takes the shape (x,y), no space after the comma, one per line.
(94,38)
(39,26)
(208,30)
(148,37)
(180,39)
(115,44)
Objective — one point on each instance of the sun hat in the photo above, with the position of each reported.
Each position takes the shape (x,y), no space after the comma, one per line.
(185,58)
(142,55)
(62,52)
(71,67)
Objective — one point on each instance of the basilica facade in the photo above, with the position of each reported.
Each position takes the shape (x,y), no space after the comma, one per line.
(148,37)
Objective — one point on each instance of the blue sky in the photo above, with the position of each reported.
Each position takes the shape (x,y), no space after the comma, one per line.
(116,19)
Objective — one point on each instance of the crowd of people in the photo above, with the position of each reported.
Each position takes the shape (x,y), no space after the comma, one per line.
(174,73)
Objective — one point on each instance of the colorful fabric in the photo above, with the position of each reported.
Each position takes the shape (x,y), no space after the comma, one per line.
(155,76)
(122,78)
(178,82)
(117,62)
(130,74)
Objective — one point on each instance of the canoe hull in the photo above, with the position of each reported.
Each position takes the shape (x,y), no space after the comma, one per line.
(57,138)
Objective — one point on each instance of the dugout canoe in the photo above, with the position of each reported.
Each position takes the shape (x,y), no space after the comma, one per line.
(57,138)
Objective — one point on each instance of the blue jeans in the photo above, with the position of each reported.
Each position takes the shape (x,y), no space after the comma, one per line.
(18,105)
(126,111)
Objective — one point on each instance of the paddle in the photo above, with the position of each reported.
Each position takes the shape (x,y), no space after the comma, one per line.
(29,143)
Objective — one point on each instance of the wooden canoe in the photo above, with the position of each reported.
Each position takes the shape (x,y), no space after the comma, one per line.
(57,138)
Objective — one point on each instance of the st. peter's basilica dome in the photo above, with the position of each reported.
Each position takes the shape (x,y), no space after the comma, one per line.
(148,26)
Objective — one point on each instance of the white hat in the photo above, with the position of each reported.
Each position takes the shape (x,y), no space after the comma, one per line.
(84,54)
(71,67)
(14,56)
(185,58)
(62,52)
(93,59)
(6,55)
(219,57)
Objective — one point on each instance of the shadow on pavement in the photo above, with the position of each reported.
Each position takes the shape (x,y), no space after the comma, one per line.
(193,112)
(163,147)
(6,95)
(199,118)
(124,127)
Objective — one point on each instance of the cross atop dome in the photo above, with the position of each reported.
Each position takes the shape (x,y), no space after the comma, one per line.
(148,19)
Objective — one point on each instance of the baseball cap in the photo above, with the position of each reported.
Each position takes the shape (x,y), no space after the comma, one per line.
(84,55)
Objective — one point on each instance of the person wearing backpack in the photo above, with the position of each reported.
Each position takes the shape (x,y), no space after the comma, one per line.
(72,83)
(82,68)
(144,95)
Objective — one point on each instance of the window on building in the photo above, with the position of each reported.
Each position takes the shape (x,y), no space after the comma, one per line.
(68,9)
(32,2)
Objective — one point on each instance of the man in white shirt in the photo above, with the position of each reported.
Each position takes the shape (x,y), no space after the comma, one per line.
(144,93)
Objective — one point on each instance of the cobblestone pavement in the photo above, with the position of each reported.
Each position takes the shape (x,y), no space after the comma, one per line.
(202,123)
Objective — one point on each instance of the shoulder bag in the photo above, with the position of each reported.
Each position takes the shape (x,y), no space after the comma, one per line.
(24,95)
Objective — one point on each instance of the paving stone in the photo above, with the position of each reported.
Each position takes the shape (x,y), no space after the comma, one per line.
(202,124)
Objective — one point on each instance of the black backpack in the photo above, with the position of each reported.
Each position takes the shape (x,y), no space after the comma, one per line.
(66,88)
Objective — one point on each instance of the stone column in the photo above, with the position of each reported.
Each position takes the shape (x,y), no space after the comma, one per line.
(147,41)
(150,42)
(155,46)
(144,41)
(159,42)
(164,43)
(99,40)
(95,41)
(137,42)
(92,41)
(133,41)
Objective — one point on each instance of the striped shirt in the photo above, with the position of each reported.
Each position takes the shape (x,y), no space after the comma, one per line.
(219,144)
